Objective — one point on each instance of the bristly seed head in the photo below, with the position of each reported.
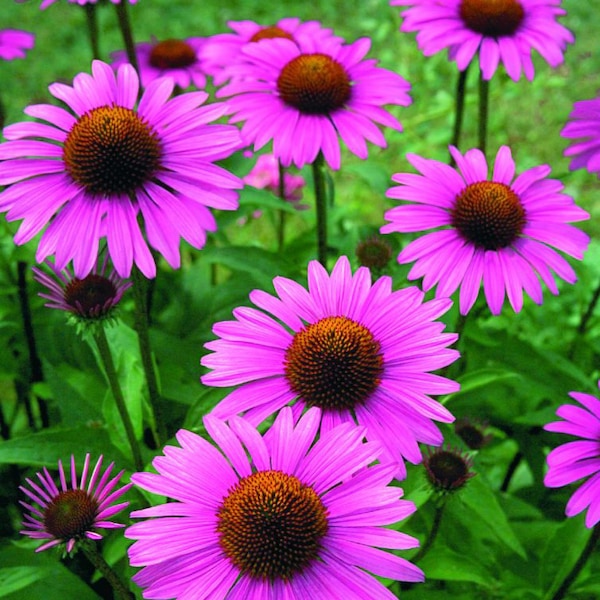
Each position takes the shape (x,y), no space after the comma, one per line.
(172,54)
(70,514)
(492,18)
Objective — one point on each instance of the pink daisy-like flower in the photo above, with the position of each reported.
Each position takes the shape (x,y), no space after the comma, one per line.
(93,297)
(14,43)
(265,175)
(500,230)
(303,95)
(174,58)
(585,124)
(578,459)
(90,174)
(359,351)
(502,31)
(76,509)
(279,516)
(223,50)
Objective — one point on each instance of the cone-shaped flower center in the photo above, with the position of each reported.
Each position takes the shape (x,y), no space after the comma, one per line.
(70,514)
(271,525)
(374,253)
(90,295)
(334,363)
(172,54)
(315,84)
(111,150)
(269,33)
(493,18)
(488,214)
(447,470)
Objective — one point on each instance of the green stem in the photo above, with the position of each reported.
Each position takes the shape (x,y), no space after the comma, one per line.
(435,528)
(318,168)
(117,392)
(581,561)
(91,551)
(127,33)
(459,109)
(484,96)
(589,312)
(91,18)
(281,223)
(140,285)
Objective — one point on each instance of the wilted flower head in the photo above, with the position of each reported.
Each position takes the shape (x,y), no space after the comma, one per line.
(580,458)
(495,228)
(14,42)
(447,469)
(178,59)
(273,516)
(500,31)
(76,509)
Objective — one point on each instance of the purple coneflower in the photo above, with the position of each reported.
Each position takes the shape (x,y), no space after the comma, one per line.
(585,124)
(14,43)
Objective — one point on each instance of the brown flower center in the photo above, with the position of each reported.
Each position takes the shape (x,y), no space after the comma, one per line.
(70,514)
(488,214)
(90,295)
(334,363)
(172,54)
(315,84)
(448,470)
(493,18)
(271,32)
(111,150)
(271,525)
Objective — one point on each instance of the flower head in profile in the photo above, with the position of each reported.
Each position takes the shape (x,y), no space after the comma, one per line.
(223,50)
(580,458)
(303,95)
(93,297)
(265,175)
(271,517)
(14,43)
(584,123)
(447,469)
(92,172)
(500,229)
(72,511)
(359,351)
(499,31)
(178,59)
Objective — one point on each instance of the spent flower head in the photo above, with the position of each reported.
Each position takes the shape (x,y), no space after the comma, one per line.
(447,469)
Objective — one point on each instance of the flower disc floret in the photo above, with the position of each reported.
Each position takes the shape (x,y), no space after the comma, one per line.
(271,32)
(493,18)
(172,54)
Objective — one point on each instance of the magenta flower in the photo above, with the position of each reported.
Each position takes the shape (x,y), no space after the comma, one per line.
(502,31)
(47,3)
(76,509)
(578,459)
(303,95)
(359,351)
(90,174)
(500,230)
(265,175)
(14,42)
(174,58)
(223,50)
(93,297)
(585,124)
(279,516)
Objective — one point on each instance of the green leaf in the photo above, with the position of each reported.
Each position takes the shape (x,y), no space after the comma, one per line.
(447,565)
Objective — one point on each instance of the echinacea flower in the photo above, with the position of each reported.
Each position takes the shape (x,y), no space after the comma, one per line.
(499,229)
(580,458)
(91,298)
(265,175)
(279,516)
(447,469)
(302,95)
(14,43)
(584,123)
(223,50)
(92,174)
(76,509)
(178,59)
(359,351)
(500,31)
(47,3)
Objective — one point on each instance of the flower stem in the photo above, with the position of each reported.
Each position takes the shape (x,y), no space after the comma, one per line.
(318,168)
(581,561)
(91,18)
(589,312)
(91,551)
(459,109)
(435,528)
(117,392)
(140,286)
(127,33)
(281,193)
(484,96)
